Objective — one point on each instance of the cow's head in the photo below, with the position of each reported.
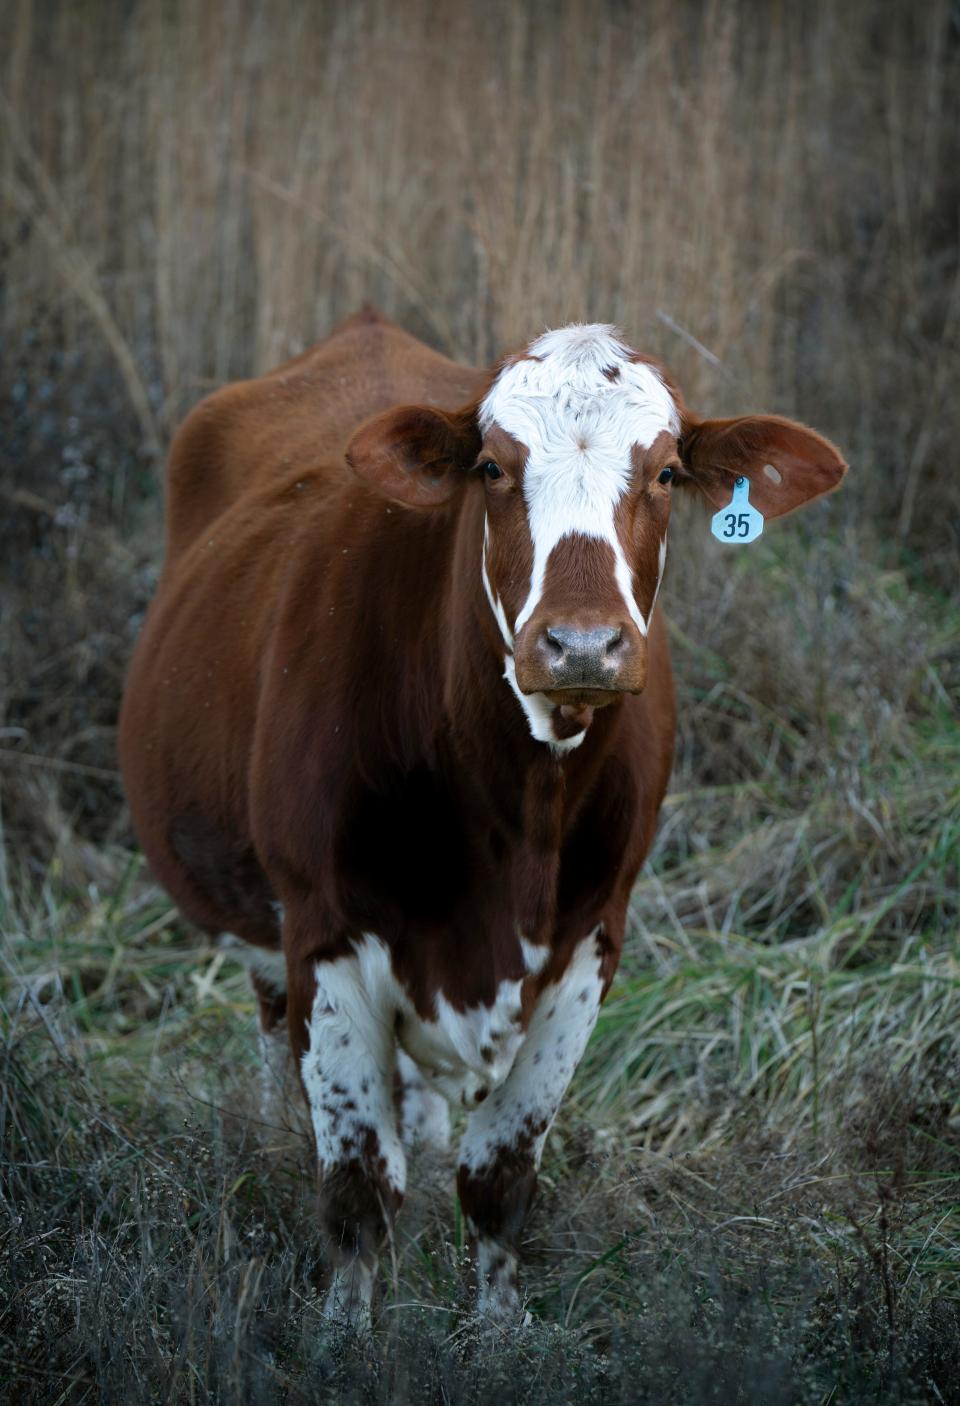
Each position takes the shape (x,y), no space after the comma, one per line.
(577,447)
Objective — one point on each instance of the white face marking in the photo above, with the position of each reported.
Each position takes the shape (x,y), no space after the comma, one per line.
(557,1036)
(579,427)
(496,605)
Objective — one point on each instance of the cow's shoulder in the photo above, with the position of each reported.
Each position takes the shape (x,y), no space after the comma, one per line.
(297,419)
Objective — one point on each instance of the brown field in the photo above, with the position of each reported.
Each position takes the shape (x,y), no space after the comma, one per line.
(753,1193)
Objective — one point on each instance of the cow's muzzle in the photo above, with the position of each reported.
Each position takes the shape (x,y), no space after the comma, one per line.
(590,663)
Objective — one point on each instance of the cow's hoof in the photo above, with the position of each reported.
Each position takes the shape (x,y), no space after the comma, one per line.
(480,1334)
(498,1296)
(349,1297)
(502,1311)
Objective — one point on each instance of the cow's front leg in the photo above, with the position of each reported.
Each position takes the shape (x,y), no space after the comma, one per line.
(501,1149)
(347,1068)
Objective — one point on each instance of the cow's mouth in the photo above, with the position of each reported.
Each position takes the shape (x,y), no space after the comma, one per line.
(570,720)
(573,709)
(574,700)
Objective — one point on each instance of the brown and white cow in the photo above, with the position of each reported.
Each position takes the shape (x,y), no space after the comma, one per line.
(401,718)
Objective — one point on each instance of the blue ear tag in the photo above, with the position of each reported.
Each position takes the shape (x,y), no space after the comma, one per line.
(740,521)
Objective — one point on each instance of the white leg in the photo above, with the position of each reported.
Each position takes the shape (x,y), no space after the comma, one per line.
(503,1144)
(348,1073)
(424,1114)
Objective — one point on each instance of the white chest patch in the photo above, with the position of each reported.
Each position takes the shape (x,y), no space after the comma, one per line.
(463,1055)
(579,403)
(466,1054)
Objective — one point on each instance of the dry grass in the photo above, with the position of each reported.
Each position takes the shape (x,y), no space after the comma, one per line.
(753,1191)
(779,184)
(756,1175)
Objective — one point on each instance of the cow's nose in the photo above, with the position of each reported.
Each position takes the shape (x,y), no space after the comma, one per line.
(589,658)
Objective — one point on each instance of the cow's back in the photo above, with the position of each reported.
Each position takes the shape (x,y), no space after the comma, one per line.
(254,467)
(241,439)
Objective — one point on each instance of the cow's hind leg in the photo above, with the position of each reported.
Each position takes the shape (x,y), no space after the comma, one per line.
(347,1068)
(276,1064)
(268,977)
(501,1150)
(424,1114)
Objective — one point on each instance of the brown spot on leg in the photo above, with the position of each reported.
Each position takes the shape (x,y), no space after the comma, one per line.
(357,1209)
(495,1203)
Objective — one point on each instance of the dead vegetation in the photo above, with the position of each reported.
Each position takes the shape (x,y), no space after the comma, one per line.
(753,1192)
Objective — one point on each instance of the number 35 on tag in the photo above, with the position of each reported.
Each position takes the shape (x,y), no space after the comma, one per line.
(740,522)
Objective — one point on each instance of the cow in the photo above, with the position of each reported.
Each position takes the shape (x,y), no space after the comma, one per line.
(401,718)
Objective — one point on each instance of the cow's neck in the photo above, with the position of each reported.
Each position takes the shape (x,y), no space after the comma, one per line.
(534,789)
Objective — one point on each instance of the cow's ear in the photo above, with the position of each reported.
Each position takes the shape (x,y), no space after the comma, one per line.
(415,454)
(787,464)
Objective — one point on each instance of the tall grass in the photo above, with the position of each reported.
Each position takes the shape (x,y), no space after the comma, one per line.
(215,185)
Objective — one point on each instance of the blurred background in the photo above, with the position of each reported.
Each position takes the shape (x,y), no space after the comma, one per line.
(765,196)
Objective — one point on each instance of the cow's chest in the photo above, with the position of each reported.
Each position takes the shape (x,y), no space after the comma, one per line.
(462,1052)
(465,1054)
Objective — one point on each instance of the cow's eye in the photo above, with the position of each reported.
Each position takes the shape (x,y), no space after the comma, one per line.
(665,475)
(491,469)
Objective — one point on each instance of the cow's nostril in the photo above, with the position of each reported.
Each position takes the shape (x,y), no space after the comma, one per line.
(555,644)
(582,651)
